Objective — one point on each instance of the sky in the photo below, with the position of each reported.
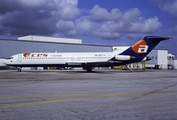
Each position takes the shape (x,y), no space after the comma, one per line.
(102,22)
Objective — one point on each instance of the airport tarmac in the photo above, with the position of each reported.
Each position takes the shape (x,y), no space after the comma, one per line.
(78,95)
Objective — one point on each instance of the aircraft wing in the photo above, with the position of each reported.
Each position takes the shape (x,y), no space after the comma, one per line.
(86,63)
(91,63)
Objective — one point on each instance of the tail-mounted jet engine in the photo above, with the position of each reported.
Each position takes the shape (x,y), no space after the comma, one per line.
(124,57)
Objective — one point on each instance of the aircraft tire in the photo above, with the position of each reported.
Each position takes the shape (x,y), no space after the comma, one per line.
(19,69)
(89,69)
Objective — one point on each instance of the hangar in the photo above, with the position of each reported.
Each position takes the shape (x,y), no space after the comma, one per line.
(32,43)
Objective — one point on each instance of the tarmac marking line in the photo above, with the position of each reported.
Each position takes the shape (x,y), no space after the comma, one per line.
(37,103)
(65,95)
(2,115)
(79,97)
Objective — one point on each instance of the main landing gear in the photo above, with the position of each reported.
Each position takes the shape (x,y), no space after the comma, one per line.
(88,68)
(19,69)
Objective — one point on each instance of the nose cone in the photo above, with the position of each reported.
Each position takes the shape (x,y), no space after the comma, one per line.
(7,62)
(2,62)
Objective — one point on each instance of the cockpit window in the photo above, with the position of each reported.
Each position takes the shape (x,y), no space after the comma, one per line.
(9,58)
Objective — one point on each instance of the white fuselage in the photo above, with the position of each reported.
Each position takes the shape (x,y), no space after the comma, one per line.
(60,58)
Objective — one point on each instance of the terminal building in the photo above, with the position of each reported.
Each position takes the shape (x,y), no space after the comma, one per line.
(160,59)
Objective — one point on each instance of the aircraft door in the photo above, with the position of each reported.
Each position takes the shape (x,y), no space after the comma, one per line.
(19,58)
(109,56)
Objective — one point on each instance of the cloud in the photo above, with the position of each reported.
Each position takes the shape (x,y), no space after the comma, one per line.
(112,25)
(168,6)
(30,3)
(42,17)
(99,14)
(54,17)
(169,9)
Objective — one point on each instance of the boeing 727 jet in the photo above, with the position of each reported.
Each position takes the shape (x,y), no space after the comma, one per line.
(87,60)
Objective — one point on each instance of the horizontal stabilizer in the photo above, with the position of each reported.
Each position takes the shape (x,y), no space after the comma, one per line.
(159,37)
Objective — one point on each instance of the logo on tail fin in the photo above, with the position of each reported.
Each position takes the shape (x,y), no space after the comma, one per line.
(140,47)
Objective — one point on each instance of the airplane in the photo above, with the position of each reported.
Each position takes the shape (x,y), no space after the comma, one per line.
(87,60)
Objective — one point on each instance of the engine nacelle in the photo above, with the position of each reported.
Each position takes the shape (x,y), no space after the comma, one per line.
(124,57)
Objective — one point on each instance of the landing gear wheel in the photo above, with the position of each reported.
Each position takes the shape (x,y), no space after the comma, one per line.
(19,69)
(89,69)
